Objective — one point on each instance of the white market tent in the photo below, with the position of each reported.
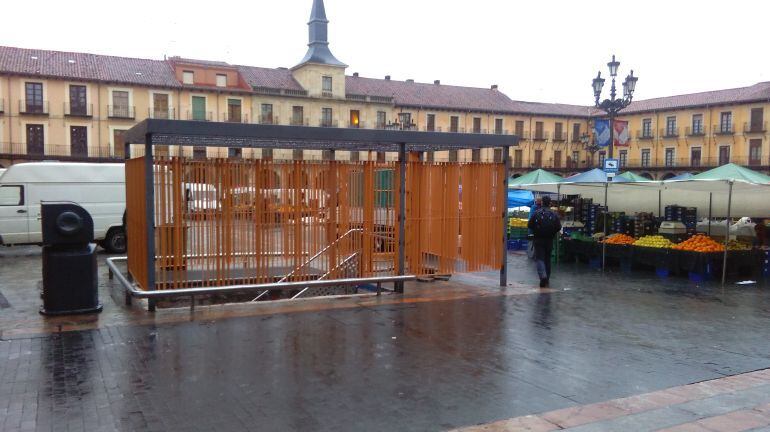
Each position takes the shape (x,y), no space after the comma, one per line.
(719,193)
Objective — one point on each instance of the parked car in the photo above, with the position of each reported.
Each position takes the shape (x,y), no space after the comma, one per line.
(98,188)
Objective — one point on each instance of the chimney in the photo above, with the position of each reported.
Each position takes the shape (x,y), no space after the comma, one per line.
(355,74)
(410,81)
(437,82)
(494,86)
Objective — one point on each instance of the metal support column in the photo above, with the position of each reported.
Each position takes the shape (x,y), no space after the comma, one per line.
(606,214)
(399,286)
(727,232)
(149,192)
(711,198)
(506,174)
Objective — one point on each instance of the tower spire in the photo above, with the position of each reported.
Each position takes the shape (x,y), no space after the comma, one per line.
(318,44)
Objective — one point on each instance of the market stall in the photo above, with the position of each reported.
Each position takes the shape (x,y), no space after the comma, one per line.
(662,217)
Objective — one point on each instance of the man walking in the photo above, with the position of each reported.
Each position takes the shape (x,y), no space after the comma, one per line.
(544,224)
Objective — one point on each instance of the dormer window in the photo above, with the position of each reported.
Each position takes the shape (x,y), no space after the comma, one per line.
(326,84)
(188,77)
(221,80)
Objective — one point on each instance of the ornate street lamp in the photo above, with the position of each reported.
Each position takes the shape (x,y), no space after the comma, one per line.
(613,106)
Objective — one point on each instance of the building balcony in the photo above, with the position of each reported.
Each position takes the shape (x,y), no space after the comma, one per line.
(755,128)
(161,113)
(358,125)
(268,119)
(199,115)
(235,117)
(500,132)
(723,129)
(30,107)
(22,151)
(523,135)
(327,94)
(299,121)
(575,139)
(432,129)
(121,112)
(540,136)
(328,123)
(79,110)
(695,132)
(559,137)
(644,135)
(669,133)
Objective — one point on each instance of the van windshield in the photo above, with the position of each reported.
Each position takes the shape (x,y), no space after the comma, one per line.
(11,196)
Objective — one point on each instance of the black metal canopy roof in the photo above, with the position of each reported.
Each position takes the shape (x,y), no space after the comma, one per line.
(214,134)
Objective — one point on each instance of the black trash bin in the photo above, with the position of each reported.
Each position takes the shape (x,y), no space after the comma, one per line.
(70,281)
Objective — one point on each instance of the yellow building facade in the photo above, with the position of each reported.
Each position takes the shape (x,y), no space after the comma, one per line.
(75,106)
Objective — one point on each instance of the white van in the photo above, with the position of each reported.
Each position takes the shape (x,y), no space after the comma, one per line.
(98,188)
(2,170)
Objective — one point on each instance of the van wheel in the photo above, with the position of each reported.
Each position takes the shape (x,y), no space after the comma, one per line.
(115,242)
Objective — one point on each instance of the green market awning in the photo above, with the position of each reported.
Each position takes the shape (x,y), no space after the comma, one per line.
(631,177)
(733,172)
(538,176)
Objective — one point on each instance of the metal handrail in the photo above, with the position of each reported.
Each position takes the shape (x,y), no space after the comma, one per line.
(340,265)
(311,259)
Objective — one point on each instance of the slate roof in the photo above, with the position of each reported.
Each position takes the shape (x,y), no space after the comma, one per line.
(280,78)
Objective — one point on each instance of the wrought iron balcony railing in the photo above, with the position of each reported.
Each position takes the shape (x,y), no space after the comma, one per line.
(120,112)
(33,107)
(754,128)
(161,113)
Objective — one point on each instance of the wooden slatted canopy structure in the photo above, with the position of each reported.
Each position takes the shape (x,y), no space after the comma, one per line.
(265,216)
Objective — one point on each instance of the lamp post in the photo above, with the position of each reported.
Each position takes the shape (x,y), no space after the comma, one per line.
(589,146)
(613,106)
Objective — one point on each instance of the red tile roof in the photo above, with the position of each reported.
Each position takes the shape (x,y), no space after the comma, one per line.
(756,92)
(280,78)
(90,67)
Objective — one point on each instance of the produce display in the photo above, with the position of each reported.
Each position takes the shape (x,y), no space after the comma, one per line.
(700,243)
(517,223)
(733,245)
(654,241)
(620,239)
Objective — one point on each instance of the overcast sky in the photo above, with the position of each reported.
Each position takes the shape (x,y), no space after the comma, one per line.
(536,50)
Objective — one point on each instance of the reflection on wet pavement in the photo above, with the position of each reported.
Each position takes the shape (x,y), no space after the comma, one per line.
(446,355)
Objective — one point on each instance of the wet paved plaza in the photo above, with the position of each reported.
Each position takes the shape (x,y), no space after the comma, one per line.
(446,355)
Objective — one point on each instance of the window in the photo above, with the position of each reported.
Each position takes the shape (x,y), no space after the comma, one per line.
(430,157)
(326,84)
(199,108)
(298,115)
(623,158)
(33,92)
(695,156)
(405,119)
(557,131)
(726,122)
(355,118)
(476,155)
(647,128)
(538,158)
(498,126)
(160,106)
(519,129)
(326,117)
(120,107)
(234,112)
(11,195)
(78,106)
(382,119)
(454,124)
(539,131)
(757,120)
(645,158)
(221,80)
(476,124)
(266,114)
(575,158)
(35,139)
(557,159)
(671,126)
(188,77)
(431,123)
(453,156)
(199,152)
(518,158)
(576,132)
(602,157)
(669,157)
(79,141)
(755,152)
(697,124)
(724,155)
(234,152)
